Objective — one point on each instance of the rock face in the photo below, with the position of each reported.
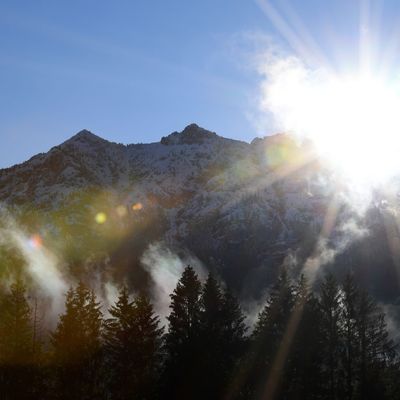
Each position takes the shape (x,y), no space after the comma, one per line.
(243,209)
(192,134)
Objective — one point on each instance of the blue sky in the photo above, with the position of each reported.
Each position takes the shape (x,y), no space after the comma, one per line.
(133,71)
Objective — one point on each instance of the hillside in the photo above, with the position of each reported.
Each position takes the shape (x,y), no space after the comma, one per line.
(243,209)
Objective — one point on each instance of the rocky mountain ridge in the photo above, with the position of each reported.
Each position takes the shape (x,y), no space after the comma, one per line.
(240,208)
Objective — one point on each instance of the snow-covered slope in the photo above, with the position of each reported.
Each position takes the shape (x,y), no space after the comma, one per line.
(239,207)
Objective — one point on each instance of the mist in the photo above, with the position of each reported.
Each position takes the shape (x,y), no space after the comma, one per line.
(165,267)
(40,264)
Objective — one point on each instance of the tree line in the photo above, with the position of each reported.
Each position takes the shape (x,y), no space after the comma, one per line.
(328,343)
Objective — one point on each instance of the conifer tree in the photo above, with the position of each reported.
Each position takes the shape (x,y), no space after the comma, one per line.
(77,346)
(375,348)
(211,307)
(269,335)
(349,328)
(182,342)
(133,340)
(331,312)
(233,345)
(16,326)
(148,346)
(16,344)
(234,328)
(304,378)
(119,345)
(211,338)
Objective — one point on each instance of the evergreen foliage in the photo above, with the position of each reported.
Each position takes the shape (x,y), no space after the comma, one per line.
(328,342)
(16,344)
(182,342)
(132,341)
(77,346)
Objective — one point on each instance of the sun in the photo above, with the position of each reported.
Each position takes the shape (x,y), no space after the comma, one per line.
(353,119)
(357,126)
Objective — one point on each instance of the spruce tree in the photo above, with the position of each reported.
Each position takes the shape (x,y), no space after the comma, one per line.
(331,312)
(304,378)
(234,328)
(132,341)
(119,346)
(77,346)
(16,344)
(211,307)
(349,344)
(233,345)
(148,348)
(375,348)
(269,338)
(211,337)
(182,342)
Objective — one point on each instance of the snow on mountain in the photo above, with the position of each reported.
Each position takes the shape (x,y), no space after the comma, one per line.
(239,207)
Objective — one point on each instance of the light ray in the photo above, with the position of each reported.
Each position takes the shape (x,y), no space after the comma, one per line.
(391,223)
(311,266)
(300,41)
(315,261)
(275,375)
(263,182)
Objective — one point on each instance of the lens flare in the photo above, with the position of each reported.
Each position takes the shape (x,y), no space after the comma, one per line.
(137,206)
(36,241)
(101,218)
(281,150)
(121,211)
(353,119)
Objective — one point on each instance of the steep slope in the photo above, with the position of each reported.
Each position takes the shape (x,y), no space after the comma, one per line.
(241,208)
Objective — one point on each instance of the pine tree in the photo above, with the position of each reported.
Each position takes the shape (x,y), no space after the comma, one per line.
(330,305)
(120,345)
(233,345)
(304,377)
(182,340)
(211,337)
(375,349)
(211,307)
(77,346)
(234,329)
(270,338)
(132,341)
(16,344)
(148,345)
(16,326)
(348,326)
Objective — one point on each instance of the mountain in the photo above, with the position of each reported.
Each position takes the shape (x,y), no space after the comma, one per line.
(242,208)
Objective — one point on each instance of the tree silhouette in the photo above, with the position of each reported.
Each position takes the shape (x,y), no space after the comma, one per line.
(329,344)
(270,339)
(182,342)
(16,344)
(77,346)
(331,313)
(304,376)
(132,343)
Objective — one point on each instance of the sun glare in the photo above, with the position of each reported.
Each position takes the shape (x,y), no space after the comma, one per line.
(101,218)
(36,241)
(353,120)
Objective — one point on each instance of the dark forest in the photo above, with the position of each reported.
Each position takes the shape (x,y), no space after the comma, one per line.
(331,342)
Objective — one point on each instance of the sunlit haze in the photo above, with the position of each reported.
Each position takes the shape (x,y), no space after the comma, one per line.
(353,119)
(134,72)
(200,200)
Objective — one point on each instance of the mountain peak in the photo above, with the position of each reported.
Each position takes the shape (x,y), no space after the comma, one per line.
(190,135)
(84,132)
(85,136)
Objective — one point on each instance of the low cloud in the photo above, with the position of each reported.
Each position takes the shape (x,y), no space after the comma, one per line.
(41,265)
(165,268)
